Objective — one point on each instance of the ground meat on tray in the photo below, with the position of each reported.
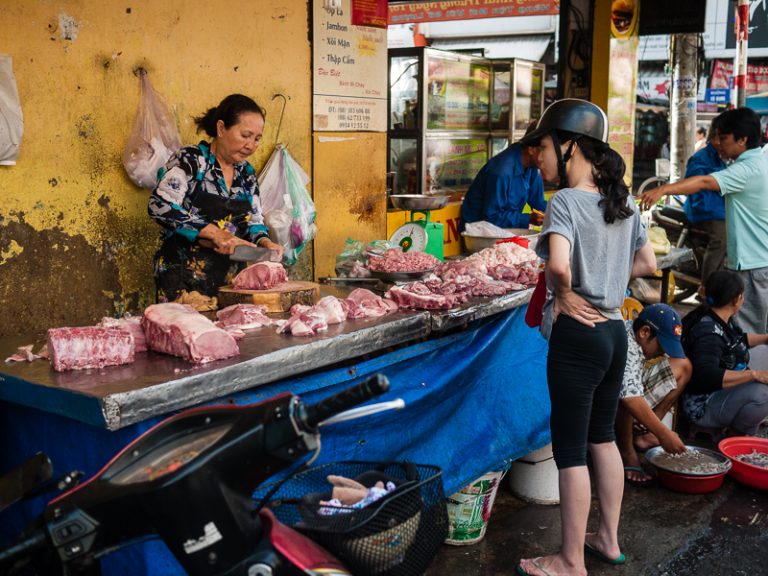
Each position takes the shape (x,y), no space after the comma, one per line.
(394,260)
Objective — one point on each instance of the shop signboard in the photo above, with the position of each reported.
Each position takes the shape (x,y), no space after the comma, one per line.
(757,76)
(718,96)
(622,79)
(349,71)
(369,13)
(416,12)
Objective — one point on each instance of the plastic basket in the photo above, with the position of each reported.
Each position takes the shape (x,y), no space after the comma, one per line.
(398,535)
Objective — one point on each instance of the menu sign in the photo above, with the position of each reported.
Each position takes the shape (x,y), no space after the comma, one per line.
(350,71)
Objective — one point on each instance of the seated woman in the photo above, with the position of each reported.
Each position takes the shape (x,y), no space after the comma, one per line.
(723,392)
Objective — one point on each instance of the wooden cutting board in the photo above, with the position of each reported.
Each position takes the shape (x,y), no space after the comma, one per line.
(277,299)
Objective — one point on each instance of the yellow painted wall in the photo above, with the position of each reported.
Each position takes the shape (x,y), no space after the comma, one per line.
(350,192)
(75,239)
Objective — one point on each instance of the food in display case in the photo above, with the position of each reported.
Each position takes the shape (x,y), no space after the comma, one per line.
(452,163)
(458,92)
(403,92)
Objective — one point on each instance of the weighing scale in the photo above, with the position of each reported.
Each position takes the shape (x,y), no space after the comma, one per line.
(420,235)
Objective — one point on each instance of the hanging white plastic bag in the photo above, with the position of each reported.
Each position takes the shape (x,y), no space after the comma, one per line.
(153,140)
(11,119)
(289,212)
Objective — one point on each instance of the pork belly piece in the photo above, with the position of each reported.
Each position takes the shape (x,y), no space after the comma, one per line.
(131,324)
(179,330)
(89,347)
(243,316)
(362,303)
(260,276)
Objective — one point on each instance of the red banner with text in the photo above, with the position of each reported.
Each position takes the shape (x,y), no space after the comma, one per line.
(369,13)
(417,12)
(757,76)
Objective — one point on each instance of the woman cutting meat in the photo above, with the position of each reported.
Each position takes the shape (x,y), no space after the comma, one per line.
(207,202)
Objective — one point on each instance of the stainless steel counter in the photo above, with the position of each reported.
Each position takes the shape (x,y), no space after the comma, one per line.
(155,384)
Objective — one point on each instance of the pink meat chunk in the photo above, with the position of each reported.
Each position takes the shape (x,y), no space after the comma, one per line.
(308,321)
(243,317)
(260,276)
(179,330)
(89,347)
(362,303)
(130,324)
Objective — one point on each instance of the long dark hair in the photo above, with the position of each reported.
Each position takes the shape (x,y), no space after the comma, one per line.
(608,171)
(720,289)
(228,111)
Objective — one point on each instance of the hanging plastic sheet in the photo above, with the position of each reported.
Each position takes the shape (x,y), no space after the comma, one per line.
(475,401)
(11,119)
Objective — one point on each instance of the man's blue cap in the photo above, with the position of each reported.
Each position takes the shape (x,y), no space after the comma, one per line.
(669,329)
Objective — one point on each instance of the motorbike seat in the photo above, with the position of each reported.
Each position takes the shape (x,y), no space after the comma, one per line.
(675,213)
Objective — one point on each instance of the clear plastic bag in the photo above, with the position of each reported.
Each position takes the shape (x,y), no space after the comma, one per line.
(282,191)
(153,140)
(11,118)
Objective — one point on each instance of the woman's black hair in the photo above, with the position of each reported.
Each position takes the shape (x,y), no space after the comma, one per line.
(608,171)
(228,111)
(720,289)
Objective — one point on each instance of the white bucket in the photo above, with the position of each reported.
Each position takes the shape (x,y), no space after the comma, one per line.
(470,509)
(534,478)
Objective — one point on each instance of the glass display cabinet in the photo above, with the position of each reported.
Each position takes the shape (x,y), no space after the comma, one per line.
(449,112)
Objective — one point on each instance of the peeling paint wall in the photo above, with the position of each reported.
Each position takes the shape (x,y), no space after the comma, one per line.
(75,239)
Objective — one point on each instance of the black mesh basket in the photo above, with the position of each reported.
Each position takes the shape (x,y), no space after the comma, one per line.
(398,535)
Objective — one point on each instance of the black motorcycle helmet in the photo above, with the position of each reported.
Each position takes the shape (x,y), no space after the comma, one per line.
(569,115)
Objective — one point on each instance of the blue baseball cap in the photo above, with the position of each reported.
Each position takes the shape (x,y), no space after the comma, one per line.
(669,329)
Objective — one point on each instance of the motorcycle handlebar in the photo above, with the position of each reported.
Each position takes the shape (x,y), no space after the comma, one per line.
(315,413)
(38,539)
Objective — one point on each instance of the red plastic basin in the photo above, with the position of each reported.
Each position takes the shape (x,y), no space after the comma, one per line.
(748,474)
(690,484)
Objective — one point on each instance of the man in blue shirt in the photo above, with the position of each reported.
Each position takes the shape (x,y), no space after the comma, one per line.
(707,208)
(744,185)
(503,187)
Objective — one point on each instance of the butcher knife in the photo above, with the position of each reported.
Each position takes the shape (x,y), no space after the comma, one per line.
(245,253)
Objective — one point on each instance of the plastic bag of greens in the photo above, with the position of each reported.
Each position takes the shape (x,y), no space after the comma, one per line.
(351,258)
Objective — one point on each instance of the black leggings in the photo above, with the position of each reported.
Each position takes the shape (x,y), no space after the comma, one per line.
(585,368)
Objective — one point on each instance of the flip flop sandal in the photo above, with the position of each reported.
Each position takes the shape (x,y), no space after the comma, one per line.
(537,565)
(647,482)
(620,559)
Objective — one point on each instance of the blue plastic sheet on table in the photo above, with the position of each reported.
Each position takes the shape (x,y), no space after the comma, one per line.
(475,401)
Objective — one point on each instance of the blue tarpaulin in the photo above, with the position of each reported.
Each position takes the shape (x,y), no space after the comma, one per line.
(475,401)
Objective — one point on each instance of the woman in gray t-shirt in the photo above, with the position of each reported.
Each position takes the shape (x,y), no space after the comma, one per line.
(592,242)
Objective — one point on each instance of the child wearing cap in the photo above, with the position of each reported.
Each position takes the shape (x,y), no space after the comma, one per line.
(654,378)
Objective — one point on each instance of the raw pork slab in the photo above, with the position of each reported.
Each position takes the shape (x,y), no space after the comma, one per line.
(243,317)
(179,330)
(260,276)
(89,347)
(362,303)
(130,324)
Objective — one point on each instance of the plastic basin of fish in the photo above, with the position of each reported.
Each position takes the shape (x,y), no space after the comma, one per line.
(689,482)
(749,474)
